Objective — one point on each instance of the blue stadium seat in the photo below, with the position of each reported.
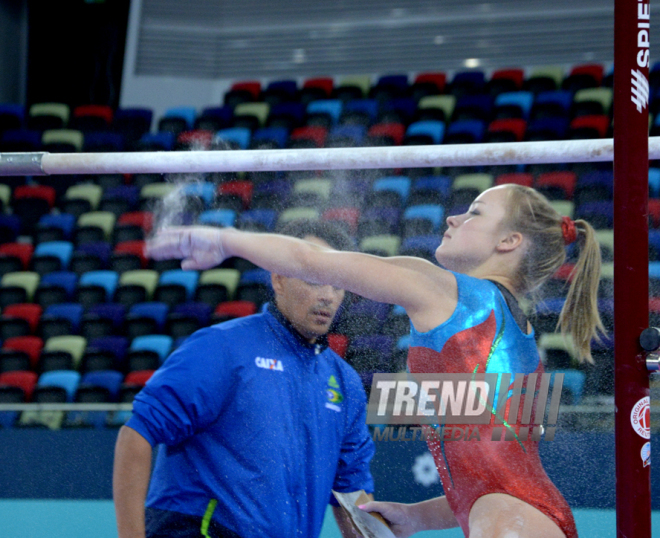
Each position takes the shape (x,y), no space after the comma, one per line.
(276,136)
(215,118)
(64,279)
(552,104)
(288,115)
(474,107)
(20,140)
(103,142)
(203,190)
(465,132)
(433,213)
(361,111)
(506,104)
(62,250)
(468,83)
(440,184)
(12,116)
(399,184)
(218,217)
(69,311)
(547,129)
(346,135)
(200,311)
(110,311)
(185,112)
(63,221)
(10,227)
(255,276)
(117,345)
(154,310)
(400,110)
(239,136)
(325,108)
(66,379)
(599,214)
(266,218)
(157,141)
(654,182)
(160,343)
(108,379)
(180,277)
(425,132)
(105,279)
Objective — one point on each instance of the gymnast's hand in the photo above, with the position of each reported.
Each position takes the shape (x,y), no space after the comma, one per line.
(200,247)
(397,515)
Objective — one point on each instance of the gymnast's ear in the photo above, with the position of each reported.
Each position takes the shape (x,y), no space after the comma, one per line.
(509,242)
(277,283)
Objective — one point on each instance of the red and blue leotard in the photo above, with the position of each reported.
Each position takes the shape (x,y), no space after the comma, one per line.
(482,336)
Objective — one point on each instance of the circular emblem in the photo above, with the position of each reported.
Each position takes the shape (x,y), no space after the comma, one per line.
(425,471)
(640,417)
(646,454)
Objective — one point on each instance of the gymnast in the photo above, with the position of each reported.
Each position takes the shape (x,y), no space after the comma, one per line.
(465,318)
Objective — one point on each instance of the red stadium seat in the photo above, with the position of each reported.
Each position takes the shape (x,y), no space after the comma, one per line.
(315,135)
(20,251)
(251,86)
(326,84)
(348,215)
(143,219)
(654,213)
(138,377)
(338,343)
(515,126)
(393,131)
(243,189)
(439,80)
(135,248)
(506,80)
(31,345)
(26,381)
(235,309)
(563,181)
(29,312)
(596,126)
(518,178)
(43,192)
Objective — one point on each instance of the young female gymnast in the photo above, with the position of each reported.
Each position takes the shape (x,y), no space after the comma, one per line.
(465,318)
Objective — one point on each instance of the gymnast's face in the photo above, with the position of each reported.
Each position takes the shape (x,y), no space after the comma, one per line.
(471,238)
(310,308)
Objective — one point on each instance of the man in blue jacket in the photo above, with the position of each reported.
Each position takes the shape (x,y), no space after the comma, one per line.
(258,420)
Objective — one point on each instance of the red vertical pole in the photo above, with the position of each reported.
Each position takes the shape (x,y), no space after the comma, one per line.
(631,311)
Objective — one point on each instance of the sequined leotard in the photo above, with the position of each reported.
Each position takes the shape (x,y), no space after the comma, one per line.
(482,336)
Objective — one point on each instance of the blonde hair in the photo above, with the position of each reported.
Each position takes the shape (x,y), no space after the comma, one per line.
(530,213)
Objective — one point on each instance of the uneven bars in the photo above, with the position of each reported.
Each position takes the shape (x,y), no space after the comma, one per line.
(561,151)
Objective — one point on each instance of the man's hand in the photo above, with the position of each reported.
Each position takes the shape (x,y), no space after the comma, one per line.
(200,247)
(401,522)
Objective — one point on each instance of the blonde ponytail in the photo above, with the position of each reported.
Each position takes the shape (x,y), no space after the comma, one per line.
(579,315)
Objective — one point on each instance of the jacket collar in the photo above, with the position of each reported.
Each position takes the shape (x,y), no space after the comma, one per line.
(317,347)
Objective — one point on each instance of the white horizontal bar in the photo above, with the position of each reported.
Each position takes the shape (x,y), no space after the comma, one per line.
(561,151)
(67,407)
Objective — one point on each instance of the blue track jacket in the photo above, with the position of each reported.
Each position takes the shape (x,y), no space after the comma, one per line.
(256,418)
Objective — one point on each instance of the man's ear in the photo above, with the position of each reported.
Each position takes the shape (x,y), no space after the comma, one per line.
(277,282)
(510,242)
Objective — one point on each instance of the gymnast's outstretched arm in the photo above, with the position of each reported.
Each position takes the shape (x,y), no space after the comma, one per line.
(429,296)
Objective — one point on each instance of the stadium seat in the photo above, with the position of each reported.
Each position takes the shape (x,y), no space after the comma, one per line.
(379,220)
(426,84)
(53,227)
(506,130)
(436,108)
(343,216)
(465,132)
(176,286)
(18,287)
(592,102)
(24,380)
(401,110)
(324,112)
(43,116)
(62,141)
(234,309)
(242,92)
(308,137)
(51,256)
(583,76)
(136,286)
(474,107)
(12,116)
(91,118)
(159,343)
(94,226)
(389,87)
(66,380)
(364,317)
(96,286)
(505,80)
(555,128)
(552,104)
(106,353)
(258,220)
(31,313)
(298,213)
(288,116)
(422,220)
(387,245)
(467,83)
(589,127)
(557,185)
(90,257)
(269,138)
(128,256)
(72,344)
(19,253)
(386,134)
(109,380)
(338,343)
(71,313)
(280,91)
(424,132)
(234,137)
(177,119)
(421,246)
(102,320)
(544,78)
(218,217)
(30,345)
(217,285)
